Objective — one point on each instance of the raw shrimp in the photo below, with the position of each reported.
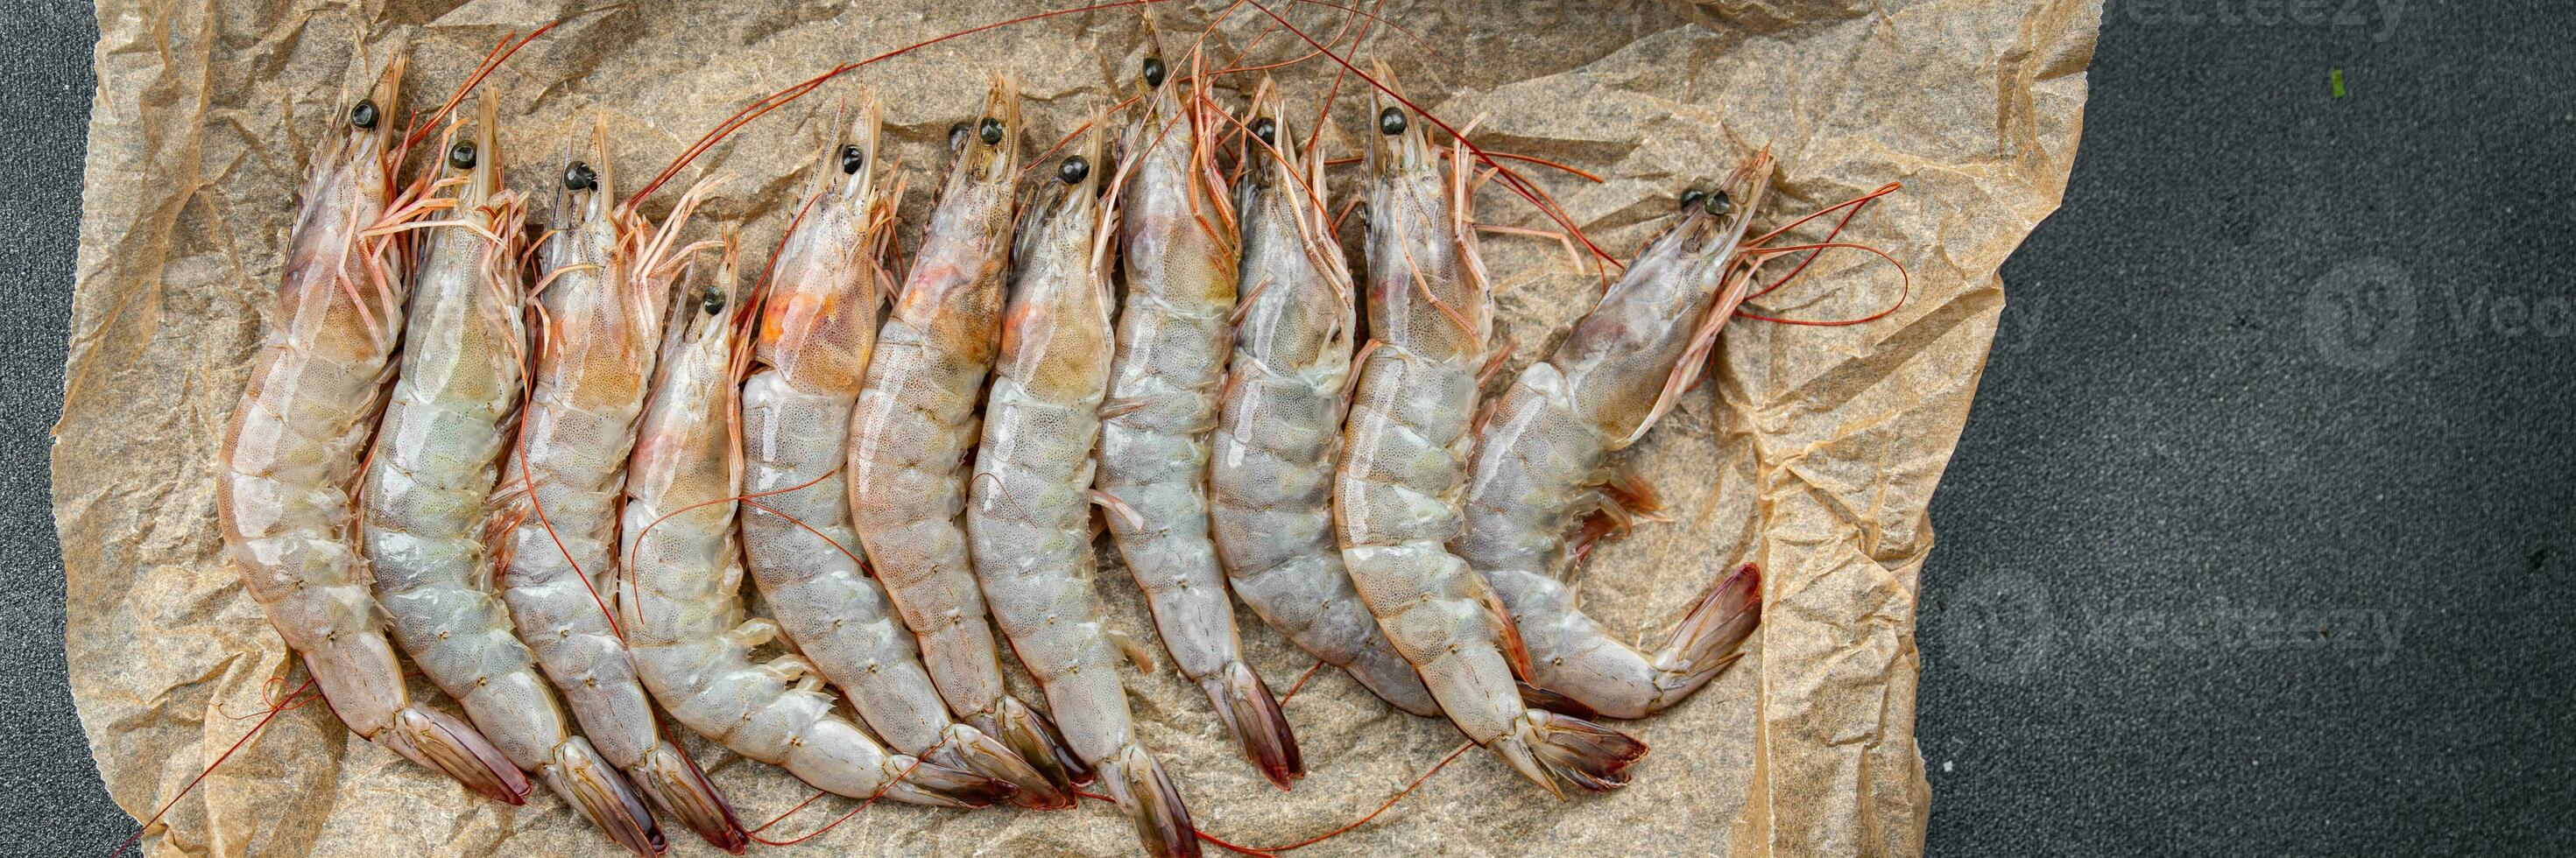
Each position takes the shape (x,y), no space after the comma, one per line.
(431,474)
(1028,518)
(603,301)
(682,597)
(1180,240)
(915,420)
(1544,489)
(291,455)
(1270,503)
(818,326)
(1406,446)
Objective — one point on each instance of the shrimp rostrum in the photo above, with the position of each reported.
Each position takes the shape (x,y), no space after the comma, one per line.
(1407,443)
(429,480)
(682,599)
(291,455)
(1028,515)
(1545,487)
(818,329)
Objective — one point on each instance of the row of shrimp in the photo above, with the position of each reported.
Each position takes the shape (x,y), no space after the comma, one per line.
(540,466)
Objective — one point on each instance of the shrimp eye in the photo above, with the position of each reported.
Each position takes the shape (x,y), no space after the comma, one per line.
(578,177)
(461,155)
(957,135)
(714,301)
(852,159)
(990,131)
(1154,71)
(1717,203)
(1266,129)
(363,115)
(1390,121)
(1691,197)
(1073,170)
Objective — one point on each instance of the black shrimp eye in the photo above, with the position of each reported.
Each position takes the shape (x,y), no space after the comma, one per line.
(363,115)
(1266,129)
(461,155)
(1073,170)
(1717,203)
(1691,197)
(852,159)
(578,177)
(957,135)
(990,131)
(1390,121)
(1154,71)
(714,301)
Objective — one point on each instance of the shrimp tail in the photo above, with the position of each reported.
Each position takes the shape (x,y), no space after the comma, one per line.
(594,788)
(675,785)
(437,740)
(1253,714)
(935,785)
(1035,740)
(965,747)
(1712,636)
(1548,747)
(1151,801)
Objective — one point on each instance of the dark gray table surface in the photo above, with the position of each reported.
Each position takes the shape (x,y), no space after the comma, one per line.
(2258,540)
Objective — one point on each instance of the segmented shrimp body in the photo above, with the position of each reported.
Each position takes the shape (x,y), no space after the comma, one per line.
(1028,515)
(682,597)
(818,327)
(914,422)
(603,299)
(1270,504)
(291,455)
(1407,443)
(1181,249)
(1544,486)
(428,481)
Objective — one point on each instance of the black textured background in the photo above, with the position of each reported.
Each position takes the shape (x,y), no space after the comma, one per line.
(2257,542)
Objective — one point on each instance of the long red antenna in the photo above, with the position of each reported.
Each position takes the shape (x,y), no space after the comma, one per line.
(774,100)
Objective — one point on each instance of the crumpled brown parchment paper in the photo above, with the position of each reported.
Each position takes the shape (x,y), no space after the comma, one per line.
(1817,459)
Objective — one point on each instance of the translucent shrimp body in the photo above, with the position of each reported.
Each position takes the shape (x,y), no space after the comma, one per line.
(1028,518)
(291,455)
(428,481)
(1181,249)
(818,328)
(915,421)
(1270,504)
(603,303)
(1544,486)
(1407,444)
(682,599)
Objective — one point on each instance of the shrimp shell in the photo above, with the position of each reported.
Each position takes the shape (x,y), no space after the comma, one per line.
(602,303)
(1270,481)
(291,454)
(1027,519)
(914,423)
(429,479)
(682,599)
(1181,249)
(1544,487)
(1407,442)
(818,328)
